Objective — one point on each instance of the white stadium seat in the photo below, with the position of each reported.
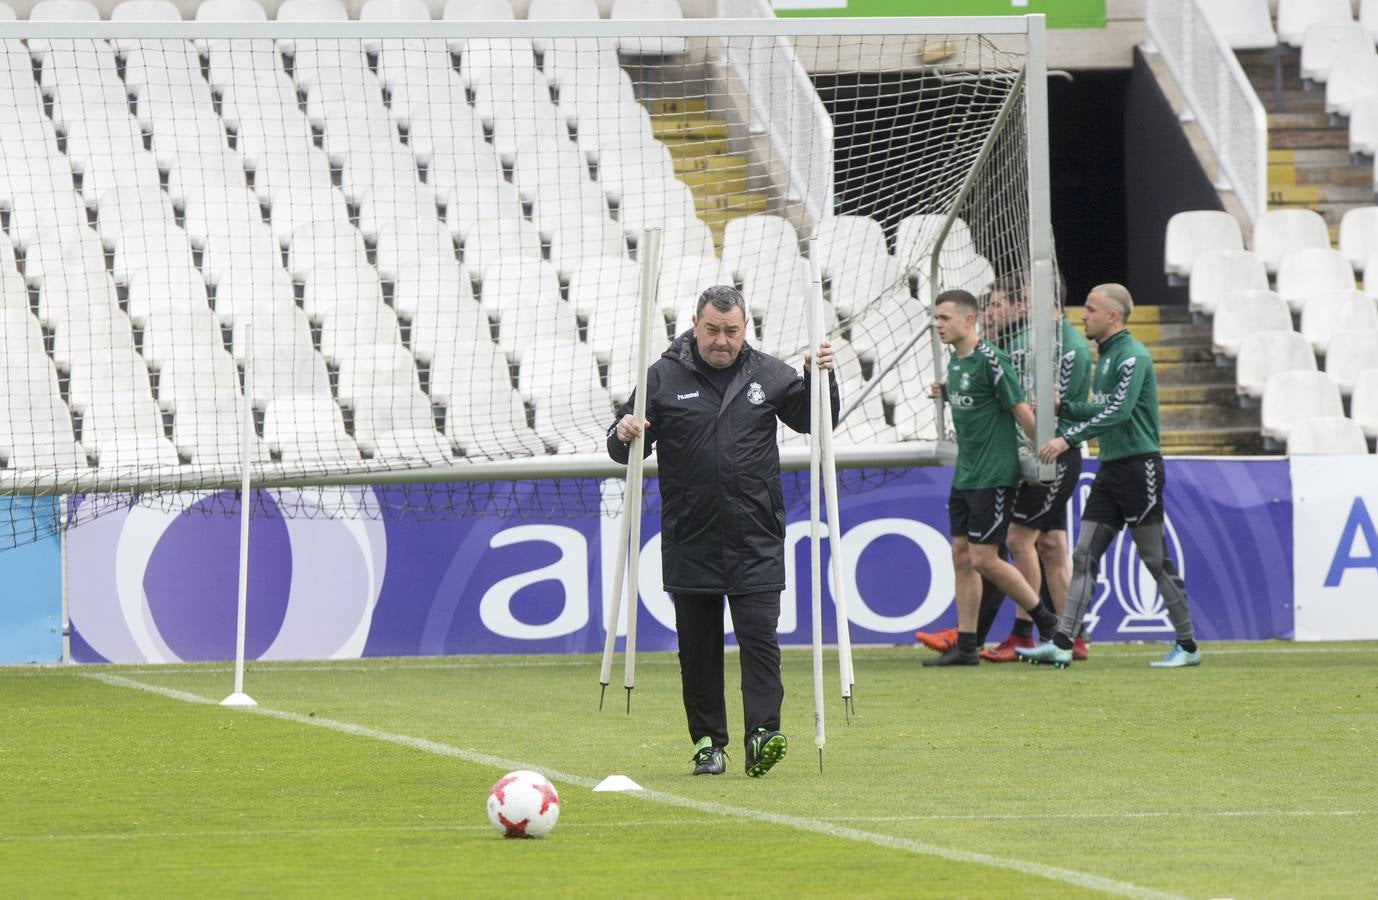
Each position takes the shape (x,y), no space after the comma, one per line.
(1328,313)
(308,429)
(1359,235)
(1241,313)
(1352,78)
(649,9)
(1350,354)
(1290,397)
(1308,271)
(1363,403)
(1244,24)
(1363,127)
(1331,435)
(1218,271)
(1265,353)
(1368,16)
(1327,43)
(1280,230)
(1294,17)
(559,10)
(1189,234)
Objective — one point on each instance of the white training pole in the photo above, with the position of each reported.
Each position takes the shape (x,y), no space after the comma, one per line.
(246,437)
(619,575)
(816,424)
(648,252)
(838,559)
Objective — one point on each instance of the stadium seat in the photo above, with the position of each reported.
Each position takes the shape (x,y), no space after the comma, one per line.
(287,371)
(1265,353)
(560,10)
(529,326)
(141,11)
(92,329)
(501,239)
(440,325)
(1189,234)
(649,9)
(391,11)
(1368,16)
(357,323)
(511,281)
(478,10)
(471,210)
(187,381)
(36,431)
(6,13)
(1309,271)
(1363,127)
(760,236)
(1244,24)
(168,334)
(101,373)
(601,281)
(863,280)
(376,370)
(1243,312)
(1280,230)
(1328,313)
(593,90)
(230,11)
(1359,235)
(567,57)
(308,11)
(624,125)
(575,238)
(1352,77)
(244,287)
(1327,43)
(776,284)
(411,240)
(840,239)
(420,283)
(508,61)
(496,427)
(1349,355)
(276,329)
(614,323)
(1290,397)
(1294,17)
(1363,403)
(1217,271)
(629,163)
(308,429)
(683,279)
(125,415)
(1331,435)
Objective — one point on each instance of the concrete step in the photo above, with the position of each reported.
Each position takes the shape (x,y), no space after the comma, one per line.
(1320,156)
(696,127)
(694,147)
(1196,351)
(1308,139)
(1211,442)
(1142,314)
(713,182)
(1315,194)
(738,204)
(1175,394)
(685,164)
(696,106)
(1293,119)
(1344,174)
(1177,373)
(1205,416)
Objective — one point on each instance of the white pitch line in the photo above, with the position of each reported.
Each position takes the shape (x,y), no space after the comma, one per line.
(1163,814)
(817,826)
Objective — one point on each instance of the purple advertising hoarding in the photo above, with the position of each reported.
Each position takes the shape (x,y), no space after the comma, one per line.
(159,585)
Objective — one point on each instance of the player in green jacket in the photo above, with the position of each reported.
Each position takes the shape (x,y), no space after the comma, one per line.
(1128,488)
(1037,537)
(986,404)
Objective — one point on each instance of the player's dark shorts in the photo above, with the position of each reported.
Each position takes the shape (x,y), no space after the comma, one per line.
(1043,507)
(981,516)
(1127,492)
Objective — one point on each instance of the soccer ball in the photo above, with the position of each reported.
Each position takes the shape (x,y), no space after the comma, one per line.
(523,804)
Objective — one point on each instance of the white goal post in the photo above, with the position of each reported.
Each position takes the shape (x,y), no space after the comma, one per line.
(412,238)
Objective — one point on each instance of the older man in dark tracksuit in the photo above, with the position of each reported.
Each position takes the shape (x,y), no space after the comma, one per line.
(712,404)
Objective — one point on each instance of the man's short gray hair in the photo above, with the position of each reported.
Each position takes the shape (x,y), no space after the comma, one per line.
(723,297)
(1118,295)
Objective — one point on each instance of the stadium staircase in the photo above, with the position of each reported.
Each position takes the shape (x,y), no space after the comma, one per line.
(1308,154)
(699,145)
(1199,415)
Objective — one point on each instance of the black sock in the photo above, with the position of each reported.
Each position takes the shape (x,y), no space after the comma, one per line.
(966,642)
(1062,641)
(1046,621)
(1189,646)
(1047,607)
(1023,628)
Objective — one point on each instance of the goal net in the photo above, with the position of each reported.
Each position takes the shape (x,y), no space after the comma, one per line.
(408,252)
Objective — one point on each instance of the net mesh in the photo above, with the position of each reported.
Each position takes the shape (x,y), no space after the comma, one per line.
(411,255)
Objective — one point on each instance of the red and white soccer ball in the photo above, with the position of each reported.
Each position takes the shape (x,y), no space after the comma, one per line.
(523,804)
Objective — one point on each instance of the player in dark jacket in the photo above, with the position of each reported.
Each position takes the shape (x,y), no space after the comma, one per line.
(712,407)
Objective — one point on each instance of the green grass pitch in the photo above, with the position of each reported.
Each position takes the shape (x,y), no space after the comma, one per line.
(1252,776)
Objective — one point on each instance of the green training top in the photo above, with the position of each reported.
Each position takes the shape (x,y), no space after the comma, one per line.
(1073,369)
(1123,412)
(1018,346)
(982,389)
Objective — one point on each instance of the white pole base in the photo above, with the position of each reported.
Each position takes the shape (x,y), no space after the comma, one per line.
(238,698)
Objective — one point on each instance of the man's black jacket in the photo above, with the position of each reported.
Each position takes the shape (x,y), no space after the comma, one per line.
(722,519)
